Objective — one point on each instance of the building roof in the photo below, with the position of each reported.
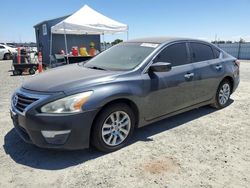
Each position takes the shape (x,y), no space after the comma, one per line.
(42,22)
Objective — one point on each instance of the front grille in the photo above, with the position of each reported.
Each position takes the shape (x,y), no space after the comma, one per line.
(23,102)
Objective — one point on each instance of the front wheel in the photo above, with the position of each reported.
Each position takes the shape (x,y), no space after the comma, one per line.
(17,72)
(7,56)
(222,95)
(113,128)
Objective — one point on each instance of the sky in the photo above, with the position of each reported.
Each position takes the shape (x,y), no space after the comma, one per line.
(203,19)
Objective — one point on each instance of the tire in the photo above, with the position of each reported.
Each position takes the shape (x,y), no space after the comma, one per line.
(44,67)
(113,128)
(7,57)
(32,71)
(223,93)
(17,72)
(20,72)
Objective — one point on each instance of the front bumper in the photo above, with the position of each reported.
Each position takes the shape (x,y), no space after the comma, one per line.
(75,129)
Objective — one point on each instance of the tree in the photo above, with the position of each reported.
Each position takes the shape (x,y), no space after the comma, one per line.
(242,40)
(116,41)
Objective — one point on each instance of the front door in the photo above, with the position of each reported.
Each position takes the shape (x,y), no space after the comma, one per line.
(169,91)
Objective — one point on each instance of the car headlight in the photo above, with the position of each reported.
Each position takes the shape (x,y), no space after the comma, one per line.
(68,104)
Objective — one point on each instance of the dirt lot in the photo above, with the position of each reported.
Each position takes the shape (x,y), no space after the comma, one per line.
(200,148)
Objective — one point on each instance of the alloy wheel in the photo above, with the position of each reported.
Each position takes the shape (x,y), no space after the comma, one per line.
(116,128)
(224,94)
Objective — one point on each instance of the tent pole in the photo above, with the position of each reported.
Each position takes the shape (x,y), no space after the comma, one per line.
(127,35)
(50,53)
(104,45)
(65,40)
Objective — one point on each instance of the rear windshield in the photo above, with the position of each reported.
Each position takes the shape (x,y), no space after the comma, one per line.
(125,56)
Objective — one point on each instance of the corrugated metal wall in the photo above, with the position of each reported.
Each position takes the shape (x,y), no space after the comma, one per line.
(238,50)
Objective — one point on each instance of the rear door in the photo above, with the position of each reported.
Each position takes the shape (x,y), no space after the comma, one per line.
(206,64)
(173,90)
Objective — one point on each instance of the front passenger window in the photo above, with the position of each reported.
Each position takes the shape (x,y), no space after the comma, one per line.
(176,54)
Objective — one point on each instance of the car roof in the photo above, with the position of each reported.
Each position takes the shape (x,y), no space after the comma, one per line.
(160,40)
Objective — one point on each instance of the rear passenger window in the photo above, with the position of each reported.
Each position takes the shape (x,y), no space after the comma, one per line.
(216,53)
(201,52)
(175,54)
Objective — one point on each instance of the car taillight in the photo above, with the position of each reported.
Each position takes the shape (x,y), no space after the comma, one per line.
(237,62)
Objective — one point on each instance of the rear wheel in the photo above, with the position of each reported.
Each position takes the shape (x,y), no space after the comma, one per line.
(113,128)
(223,94)
(32,71)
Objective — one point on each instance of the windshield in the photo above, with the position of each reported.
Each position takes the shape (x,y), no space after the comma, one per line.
(122,57)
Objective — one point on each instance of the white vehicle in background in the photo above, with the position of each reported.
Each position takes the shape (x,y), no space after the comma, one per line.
(12,49)
(6,52)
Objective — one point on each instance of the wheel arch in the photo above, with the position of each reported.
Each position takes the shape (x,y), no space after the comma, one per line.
(7,53)
(126,101)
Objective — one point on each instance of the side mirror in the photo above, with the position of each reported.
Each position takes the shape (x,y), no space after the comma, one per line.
(160,67)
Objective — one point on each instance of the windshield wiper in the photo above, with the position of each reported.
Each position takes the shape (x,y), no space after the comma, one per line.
(97,68)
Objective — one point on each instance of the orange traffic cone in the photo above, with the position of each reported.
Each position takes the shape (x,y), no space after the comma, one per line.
(40,65)
(18,55)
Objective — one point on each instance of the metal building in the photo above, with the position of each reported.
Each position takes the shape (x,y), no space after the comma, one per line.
(43,37)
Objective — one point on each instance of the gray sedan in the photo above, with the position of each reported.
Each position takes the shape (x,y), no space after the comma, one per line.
(130,85)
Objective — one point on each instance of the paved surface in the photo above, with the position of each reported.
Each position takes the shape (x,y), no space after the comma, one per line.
(200,148)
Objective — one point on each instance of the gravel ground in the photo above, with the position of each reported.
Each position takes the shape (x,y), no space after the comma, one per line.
(200,148)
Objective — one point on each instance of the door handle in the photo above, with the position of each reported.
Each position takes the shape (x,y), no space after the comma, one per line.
(189,76)
(218,67)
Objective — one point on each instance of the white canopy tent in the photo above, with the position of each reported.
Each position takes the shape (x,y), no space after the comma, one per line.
(87,21)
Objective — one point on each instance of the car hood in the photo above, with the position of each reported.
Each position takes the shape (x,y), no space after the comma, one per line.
(67,78)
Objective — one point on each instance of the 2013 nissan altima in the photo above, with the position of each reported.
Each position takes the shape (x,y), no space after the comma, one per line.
(130,85)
